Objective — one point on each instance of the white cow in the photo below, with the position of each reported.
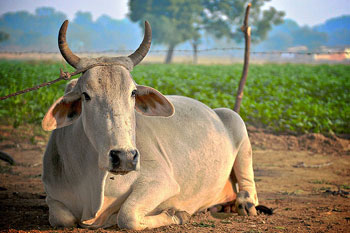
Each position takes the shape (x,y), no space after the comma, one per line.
(108,164)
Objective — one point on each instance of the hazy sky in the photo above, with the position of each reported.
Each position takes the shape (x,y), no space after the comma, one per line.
(310,12)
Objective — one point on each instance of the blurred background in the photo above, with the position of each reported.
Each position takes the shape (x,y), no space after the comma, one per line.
(199,31)
(203,41)
(295,105)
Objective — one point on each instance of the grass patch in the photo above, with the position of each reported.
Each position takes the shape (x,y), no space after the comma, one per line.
(7,169)
(319,182)
(203,224)
(345,186)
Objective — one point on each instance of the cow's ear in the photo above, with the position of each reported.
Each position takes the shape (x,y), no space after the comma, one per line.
(151,102)
(63,112)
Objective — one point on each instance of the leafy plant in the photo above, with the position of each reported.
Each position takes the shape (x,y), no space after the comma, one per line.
(284,98)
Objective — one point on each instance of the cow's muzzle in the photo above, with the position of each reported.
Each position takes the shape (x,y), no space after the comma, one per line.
(122,161)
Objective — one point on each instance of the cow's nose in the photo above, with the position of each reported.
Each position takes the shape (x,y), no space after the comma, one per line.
(115,157)
(135,159)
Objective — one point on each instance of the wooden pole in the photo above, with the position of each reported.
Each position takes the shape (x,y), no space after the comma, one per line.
(246,30)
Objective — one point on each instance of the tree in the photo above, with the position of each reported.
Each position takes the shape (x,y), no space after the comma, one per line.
(32,31)
(38,32)
(309,37)
(196,40)
(223,18)
(172,20)
(337,29)
(177,21)
(82,32)
(290,34)
(4,36)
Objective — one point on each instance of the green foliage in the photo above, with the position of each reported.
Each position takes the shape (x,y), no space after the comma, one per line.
(178,21)
(210,223)
(172,21)
(224,18)
(292,98)
(30,107)
(284,98)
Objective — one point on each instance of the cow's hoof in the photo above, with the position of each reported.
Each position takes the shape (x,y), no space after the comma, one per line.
(244,204)
(181,217)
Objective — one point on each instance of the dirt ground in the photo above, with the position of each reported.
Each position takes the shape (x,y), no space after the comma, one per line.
(305,179)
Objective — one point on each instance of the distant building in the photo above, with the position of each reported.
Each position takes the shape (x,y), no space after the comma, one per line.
(333,54)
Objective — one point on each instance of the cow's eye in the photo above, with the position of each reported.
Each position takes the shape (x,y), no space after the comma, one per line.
(133,93)
(86,96)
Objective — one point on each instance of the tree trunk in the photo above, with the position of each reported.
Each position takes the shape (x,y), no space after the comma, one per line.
(169,54)
(195,52)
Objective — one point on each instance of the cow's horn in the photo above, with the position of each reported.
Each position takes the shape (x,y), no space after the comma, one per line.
(68,55)
(143,49)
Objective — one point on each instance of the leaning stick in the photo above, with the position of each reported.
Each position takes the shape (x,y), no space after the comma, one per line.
(246,30)
(7,158)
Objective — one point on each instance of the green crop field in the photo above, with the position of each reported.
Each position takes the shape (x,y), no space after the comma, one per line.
(283,98)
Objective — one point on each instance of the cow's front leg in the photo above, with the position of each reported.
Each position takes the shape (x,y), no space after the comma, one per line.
(59,215)
(247,198)
(243,170)
(106,216)
(145,197)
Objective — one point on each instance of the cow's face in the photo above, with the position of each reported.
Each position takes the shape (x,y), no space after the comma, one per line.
(104,99)
(107,95)
(103,103)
